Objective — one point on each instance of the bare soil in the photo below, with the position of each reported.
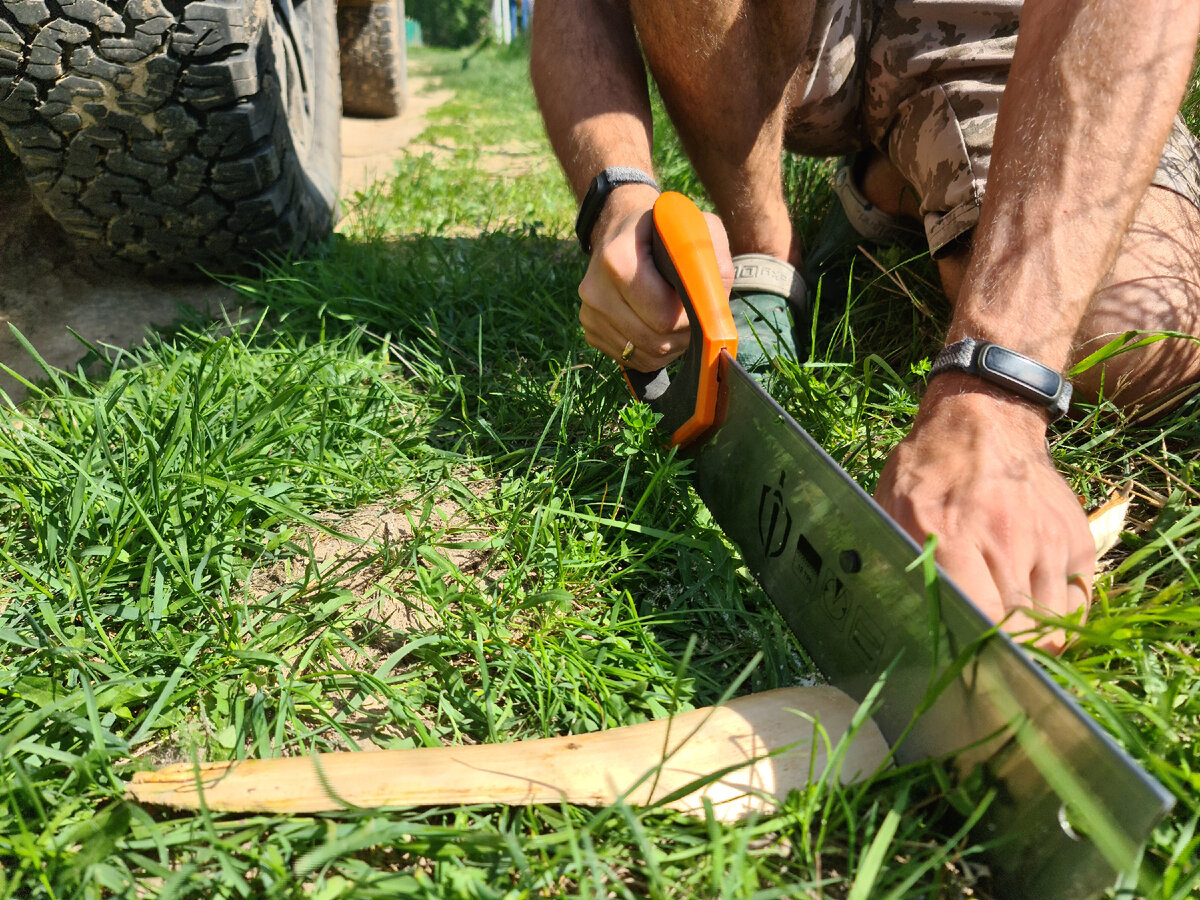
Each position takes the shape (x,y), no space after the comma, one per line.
(366,550)
(48,291)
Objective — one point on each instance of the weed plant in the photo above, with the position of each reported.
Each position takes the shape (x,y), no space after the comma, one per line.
(165,595)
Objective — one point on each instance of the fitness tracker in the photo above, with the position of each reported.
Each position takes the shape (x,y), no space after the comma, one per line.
(597,194)
(1010,370)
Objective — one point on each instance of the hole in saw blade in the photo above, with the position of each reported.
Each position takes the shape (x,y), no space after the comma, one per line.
(1069,823)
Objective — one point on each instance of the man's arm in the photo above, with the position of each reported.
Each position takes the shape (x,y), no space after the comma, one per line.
(1093,89)
(591,87)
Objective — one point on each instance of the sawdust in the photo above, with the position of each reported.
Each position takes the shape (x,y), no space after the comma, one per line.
(368,552)
(355,559)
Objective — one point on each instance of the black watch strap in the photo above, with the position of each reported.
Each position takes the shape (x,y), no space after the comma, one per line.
(593,202)
(1013,371)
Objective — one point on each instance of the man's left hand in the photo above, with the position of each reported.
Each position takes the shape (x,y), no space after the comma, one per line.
(975,472)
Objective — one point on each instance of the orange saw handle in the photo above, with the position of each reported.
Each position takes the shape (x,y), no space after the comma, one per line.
(684,256)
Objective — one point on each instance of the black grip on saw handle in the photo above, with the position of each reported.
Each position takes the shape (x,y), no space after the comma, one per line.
(684,256)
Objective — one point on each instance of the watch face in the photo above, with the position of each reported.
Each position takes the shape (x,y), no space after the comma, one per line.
(1021,372)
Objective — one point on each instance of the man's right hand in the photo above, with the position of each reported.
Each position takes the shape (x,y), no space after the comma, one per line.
(624,299)
(975,471)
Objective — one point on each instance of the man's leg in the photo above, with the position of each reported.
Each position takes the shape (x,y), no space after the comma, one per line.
(884,186)
(1154,286)
(729,71)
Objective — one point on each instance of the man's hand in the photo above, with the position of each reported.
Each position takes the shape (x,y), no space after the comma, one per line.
(975,472)
(624,299)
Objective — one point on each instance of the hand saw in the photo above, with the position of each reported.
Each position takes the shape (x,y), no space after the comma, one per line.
(1067,808)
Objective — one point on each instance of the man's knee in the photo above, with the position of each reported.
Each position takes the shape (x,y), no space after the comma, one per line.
(707,49)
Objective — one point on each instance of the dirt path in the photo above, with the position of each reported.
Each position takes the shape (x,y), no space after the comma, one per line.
(47,293)
(370,146)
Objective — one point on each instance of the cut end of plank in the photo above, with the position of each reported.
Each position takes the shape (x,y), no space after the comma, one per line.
(744,758)
(1107,521)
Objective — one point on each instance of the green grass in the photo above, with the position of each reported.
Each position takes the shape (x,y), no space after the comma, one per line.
(484,162)
(164,596)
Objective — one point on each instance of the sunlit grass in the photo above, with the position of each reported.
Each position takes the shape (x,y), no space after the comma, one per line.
(166,596)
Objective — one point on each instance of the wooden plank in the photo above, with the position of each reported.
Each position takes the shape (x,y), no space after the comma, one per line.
(768,739)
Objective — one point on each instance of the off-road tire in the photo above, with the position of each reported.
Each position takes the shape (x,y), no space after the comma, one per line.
(373,56)
(176,133)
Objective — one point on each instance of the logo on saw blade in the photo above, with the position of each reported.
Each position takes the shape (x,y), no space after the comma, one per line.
(814,580)
(774,520)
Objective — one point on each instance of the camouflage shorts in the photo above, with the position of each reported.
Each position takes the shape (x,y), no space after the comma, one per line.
(921,80)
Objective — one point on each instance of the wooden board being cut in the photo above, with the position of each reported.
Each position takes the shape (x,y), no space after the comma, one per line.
(752,751)
(749,754)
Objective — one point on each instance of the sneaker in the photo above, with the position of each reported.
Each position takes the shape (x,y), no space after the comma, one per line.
(851,221)
(763,290)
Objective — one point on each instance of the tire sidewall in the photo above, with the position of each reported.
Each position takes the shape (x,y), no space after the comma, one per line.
(320,155)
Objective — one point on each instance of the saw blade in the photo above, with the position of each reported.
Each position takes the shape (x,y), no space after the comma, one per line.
(1068,809)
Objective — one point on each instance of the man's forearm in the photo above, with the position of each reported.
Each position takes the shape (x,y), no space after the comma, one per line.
(591,86)
(1087,109)
(1093,89)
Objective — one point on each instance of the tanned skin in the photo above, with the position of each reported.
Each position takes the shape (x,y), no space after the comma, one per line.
(1073,247)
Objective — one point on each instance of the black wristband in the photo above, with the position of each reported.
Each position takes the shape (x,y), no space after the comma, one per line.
(597,194)
(1013,371)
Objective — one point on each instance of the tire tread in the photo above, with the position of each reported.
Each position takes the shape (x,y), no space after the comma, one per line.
(157,132)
